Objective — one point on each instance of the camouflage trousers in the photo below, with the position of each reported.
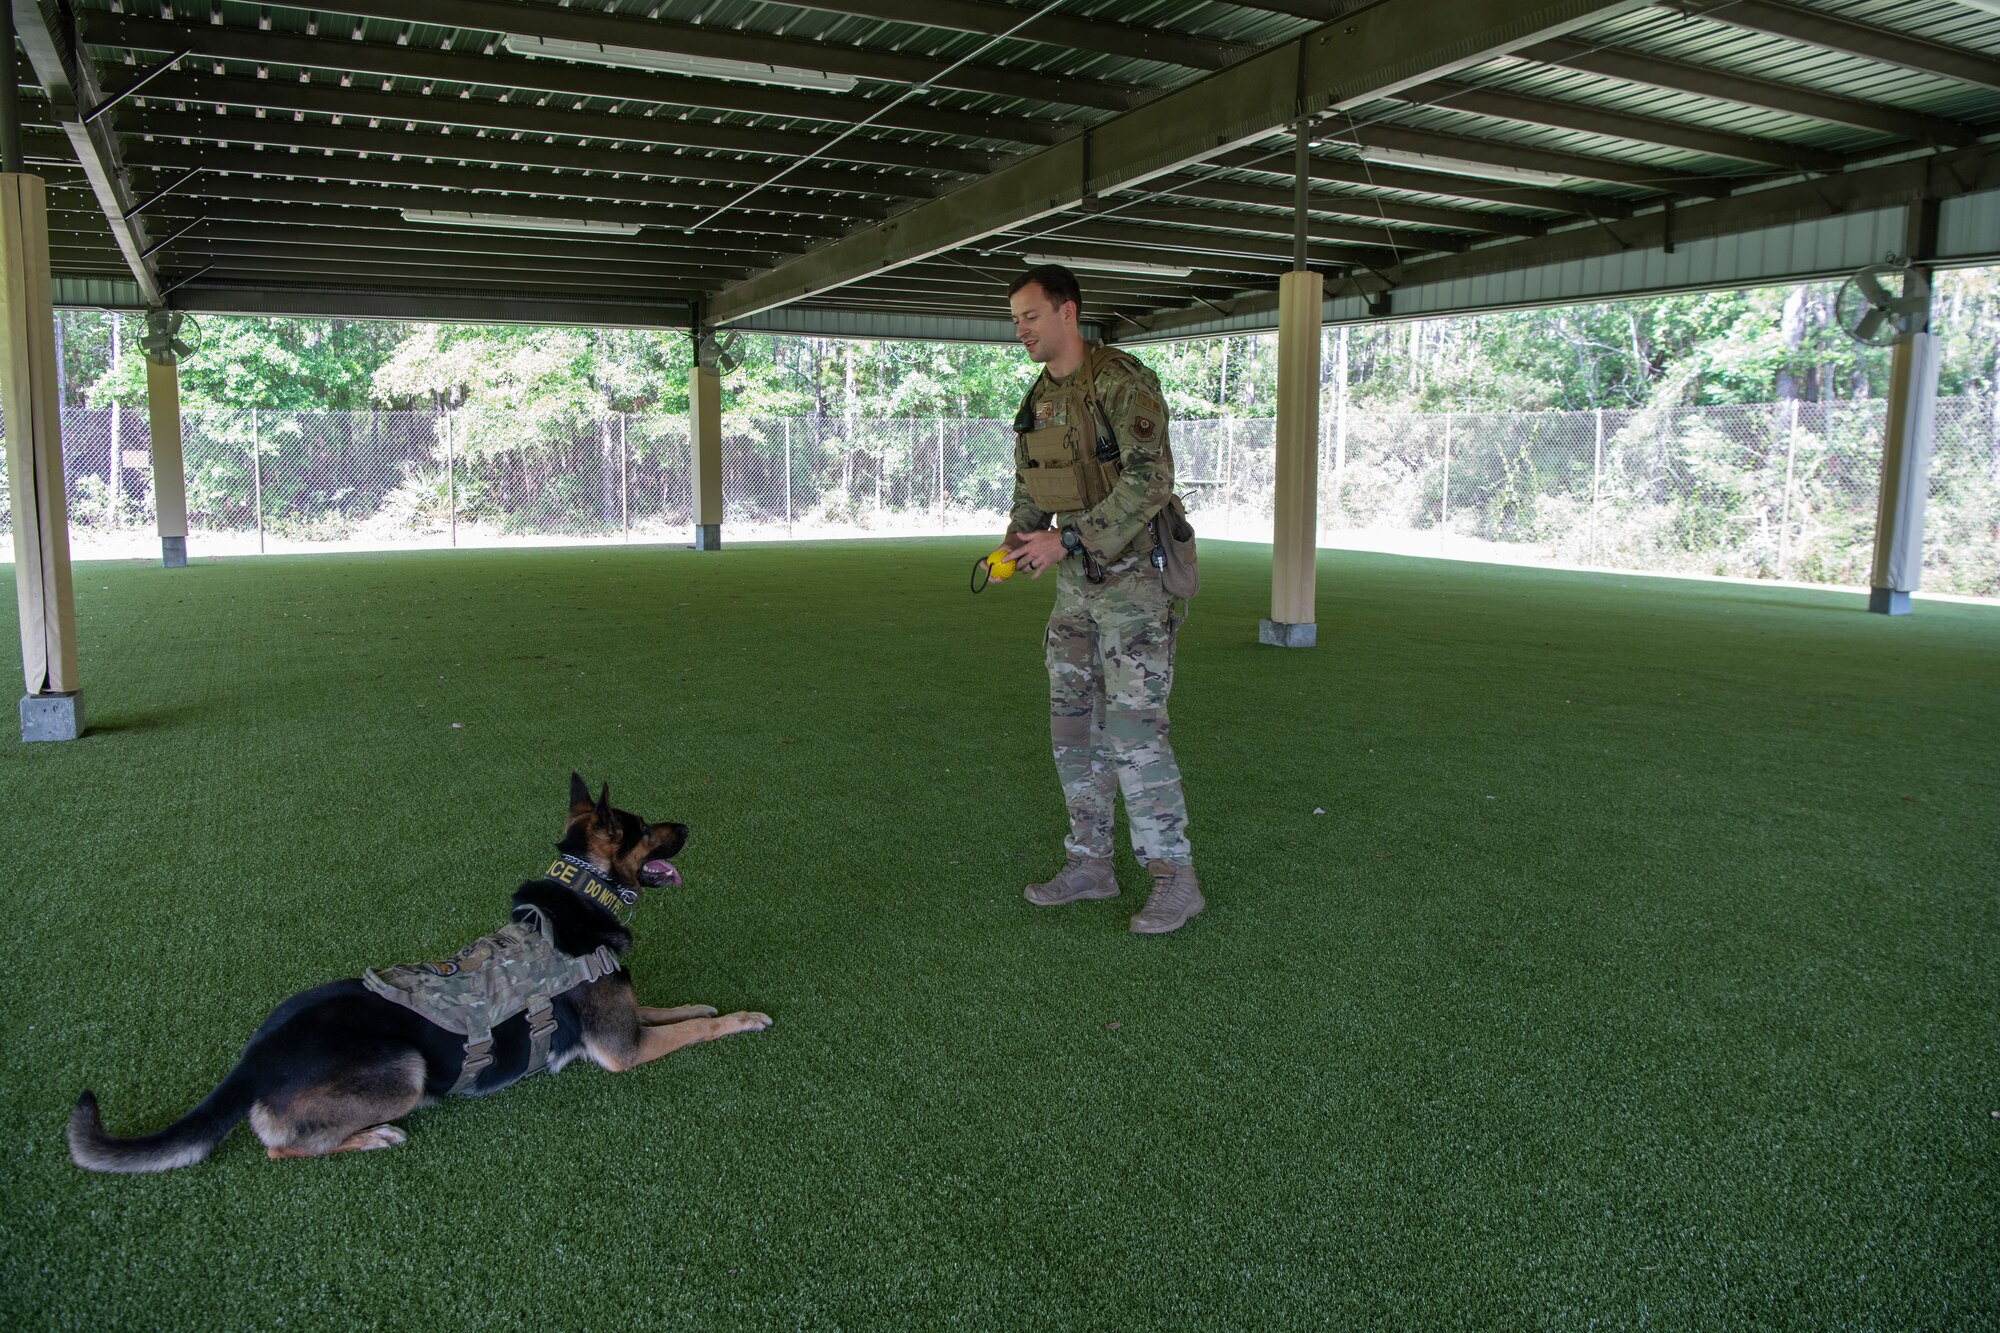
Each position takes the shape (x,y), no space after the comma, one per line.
(1110,650)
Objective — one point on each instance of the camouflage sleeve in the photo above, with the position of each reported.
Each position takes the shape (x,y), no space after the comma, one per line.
(1134,410)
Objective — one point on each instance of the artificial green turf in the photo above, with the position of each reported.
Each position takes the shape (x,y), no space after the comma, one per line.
(1640,972)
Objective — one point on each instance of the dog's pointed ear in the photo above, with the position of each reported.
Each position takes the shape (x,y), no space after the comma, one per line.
(579,796)
(604,803)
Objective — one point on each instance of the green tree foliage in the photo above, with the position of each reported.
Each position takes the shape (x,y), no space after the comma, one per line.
(854,380)
(301,365)
(1708,347)
(542,373)
(1756,345)
(1750,346)
(1217,377)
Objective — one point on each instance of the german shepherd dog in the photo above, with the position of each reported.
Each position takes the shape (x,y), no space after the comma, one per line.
(332,1067)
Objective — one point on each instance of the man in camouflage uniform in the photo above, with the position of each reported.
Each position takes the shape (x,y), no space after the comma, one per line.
(1092,468)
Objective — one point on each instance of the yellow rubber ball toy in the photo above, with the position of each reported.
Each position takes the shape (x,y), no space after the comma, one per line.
(999,565)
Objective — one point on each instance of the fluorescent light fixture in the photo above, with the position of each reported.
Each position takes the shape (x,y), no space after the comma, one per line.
(1990,6)
(510,222)
(1112,265)
(1461,166)
(669,62)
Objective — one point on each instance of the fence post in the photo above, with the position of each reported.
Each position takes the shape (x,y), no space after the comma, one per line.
(1322,469)
(624,481)
(451,476)
(1340,438)
(1444,499)
(1785,521)
(117,456)
(940,476)
(1229,456)
(257,476)
(788,476)
(1596,474)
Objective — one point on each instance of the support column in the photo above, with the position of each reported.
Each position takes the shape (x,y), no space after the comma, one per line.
(163,408)
(1906,441)
(705,434)
(1295,499)
(52,708)
(1906,471)
(1295,494)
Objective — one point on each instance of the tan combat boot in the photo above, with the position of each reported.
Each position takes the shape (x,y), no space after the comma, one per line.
(1175,898)
(1082,877)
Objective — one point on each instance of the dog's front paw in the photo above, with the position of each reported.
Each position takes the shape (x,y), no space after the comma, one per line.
(650,1017)
(746,1021)
(373,1138)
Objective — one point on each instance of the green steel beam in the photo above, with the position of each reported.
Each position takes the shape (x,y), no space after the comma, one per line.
(1247,269)
(264,266)
(1415,180)
(725,42)
(544,192)
(1174,243)
(432,304)
(1748,90)
(574,253)
(549,77)
(1080,34)
(484,113)
(502,150)
(1317,229)
(1386,208)
(311,203)
(70,85)
(208,244)
(1367,55)
(1504,154)
(1933,177)
(1558,114)
(992,293)
(1867,40)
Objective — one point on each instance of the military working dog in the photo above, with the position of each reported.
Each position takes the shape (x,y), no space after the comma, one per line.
(332,1067)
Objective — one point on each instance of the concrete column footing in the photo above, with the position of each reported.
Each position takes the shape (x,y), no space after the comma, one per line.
(173,552)
(708,536)
(51,717)
(1888,602)
(1281,635)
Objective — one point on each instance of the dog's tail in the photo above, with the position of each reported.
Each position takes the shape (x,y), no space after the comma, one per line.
(183,1143)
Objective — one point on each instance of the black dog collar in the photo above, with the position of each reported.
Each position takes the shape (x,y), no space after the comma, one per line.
(587,881)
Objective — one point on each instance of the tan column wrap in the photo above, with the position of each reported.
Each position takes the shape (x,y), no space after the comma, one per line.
(705,434)
(34,440)
(1295,500)
(163,410)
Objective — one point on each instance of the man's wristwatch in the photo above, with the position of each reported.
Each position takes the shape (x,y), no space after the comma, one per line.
(1072,543)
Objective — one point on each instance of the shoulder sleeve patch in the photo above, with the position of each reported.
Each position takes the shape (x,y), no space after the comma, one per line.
(1145,427)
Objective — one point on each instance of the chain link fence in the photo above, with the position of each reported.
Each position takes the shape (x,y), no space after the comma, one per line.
(1779,490)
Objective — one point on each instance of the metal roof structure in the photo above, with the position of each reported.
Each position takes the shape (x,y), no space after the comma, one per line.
(884,167)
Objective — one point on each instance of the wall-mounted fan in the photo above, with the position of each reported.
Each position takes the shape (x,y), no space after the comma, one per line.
(1883,304)
(171,336)
(716,357)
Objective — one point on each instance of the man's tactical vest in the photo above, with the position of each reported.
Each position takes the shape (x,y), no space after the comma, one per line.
(515,969)
(1064,447)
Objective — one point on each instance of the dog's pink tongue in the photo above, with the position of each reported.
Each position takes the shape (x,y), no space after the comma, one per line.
(662,872)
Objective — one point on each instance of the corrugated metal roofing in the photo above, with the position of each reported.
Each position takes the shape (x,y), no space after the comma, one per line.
(280,156)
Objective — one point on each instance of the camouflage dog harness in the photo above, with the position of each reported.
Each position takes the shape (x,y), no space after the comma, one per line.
(516,969)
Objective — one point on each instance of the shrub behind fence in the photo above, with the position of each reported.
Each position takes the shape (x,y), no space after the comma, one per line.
(1780,490)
